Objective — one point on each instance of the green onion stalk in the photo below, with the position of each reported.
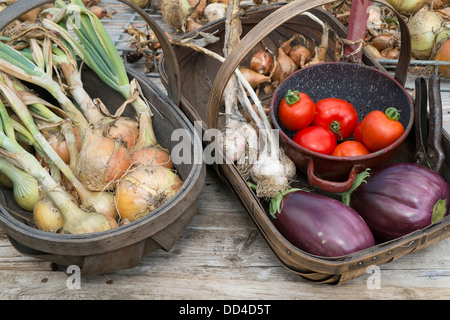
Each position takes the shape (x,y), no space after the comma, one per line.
(25,187)
(120,128)
(97,50)
(76,220)
(59,132)
(14,63)
(55,53)
(102,202)
(103,157)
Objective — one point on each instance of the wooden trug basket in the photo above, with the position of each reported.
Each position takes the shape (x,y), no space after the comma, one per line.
(203,81)
(125,246)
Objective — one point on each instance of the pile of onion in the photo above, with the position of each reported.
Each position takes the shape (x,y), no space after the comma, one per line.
(426,29)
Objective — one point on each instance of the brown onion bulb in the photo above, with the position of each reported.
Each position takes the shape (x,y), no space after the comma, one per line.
(261,62)
(393,53)
(144,189)
(101,161)
(57,141)
(443,54)
(152,155)
(198,6)
(100,12)
(46,215)
(124,130)
(372,51)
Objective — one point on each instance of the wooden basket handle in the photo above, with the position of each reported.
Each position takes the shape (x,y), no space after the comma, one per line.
(17,9)
(270,23)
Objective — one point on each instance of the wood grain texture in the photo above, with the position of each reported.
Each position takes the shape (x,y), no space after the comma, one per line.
(221,255)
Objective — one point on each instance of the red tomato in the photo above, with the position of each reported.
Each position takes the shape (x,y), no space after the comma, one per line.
(337,115)
(381,129)
(350,148)
(357,132)
(296,110)
(317,139)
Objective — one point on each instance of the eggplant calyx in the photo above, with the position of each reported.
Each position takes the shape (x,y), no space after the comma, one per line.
(360,178)
(439,210)
(276,202)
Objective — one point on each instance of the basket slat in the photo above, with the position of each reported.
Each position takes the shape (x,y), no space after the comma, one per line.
(210,79)
(125,246)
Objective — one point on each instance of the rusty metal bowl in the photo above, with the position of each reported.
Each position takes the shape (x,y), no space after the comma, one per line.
(367,89)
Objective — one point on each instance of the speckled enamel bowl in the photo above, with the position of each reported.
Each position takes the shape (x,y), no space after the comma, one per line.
(367,89)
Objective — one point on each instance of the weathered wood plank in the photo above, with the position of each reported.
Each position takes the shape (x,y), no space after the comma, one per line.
(221,255)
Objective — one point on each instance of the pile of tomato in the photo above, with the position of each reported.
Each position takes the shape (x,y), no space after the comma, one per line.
(331,125)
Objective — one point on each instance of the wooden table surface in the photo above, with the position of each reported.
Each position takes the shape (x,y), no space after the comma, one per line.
(222,255)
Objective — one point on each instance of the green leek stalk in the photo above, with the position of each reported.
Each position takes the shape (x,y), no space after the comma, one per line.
(102,202)
(25,187)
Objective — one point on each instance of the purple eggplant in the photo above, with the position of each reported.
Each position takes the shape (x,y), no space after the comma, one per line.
(321,225)
(401,198)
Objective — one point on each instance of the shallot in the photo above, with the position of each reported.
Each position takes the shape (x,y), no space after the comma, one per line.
(261,62)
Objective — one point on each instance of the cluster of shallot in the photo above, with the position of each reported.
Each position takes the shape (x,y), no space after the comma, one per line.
(269,68)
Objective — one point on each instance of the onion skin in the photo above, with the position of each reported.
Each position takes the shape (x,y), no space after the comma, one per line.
(423,27)
(407,6)
(101,161)
(283,66)
(124,130)
(384,41)
(443,54)
(46,215)
(261,62)
(372,51)
(153,155)
(144,189)
(300,54)
(398,199)
(321,225)
(254,78)
(57,140)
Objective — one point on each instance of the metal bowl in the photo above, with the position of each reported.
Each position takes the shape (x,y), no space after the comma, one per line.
(367,89)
